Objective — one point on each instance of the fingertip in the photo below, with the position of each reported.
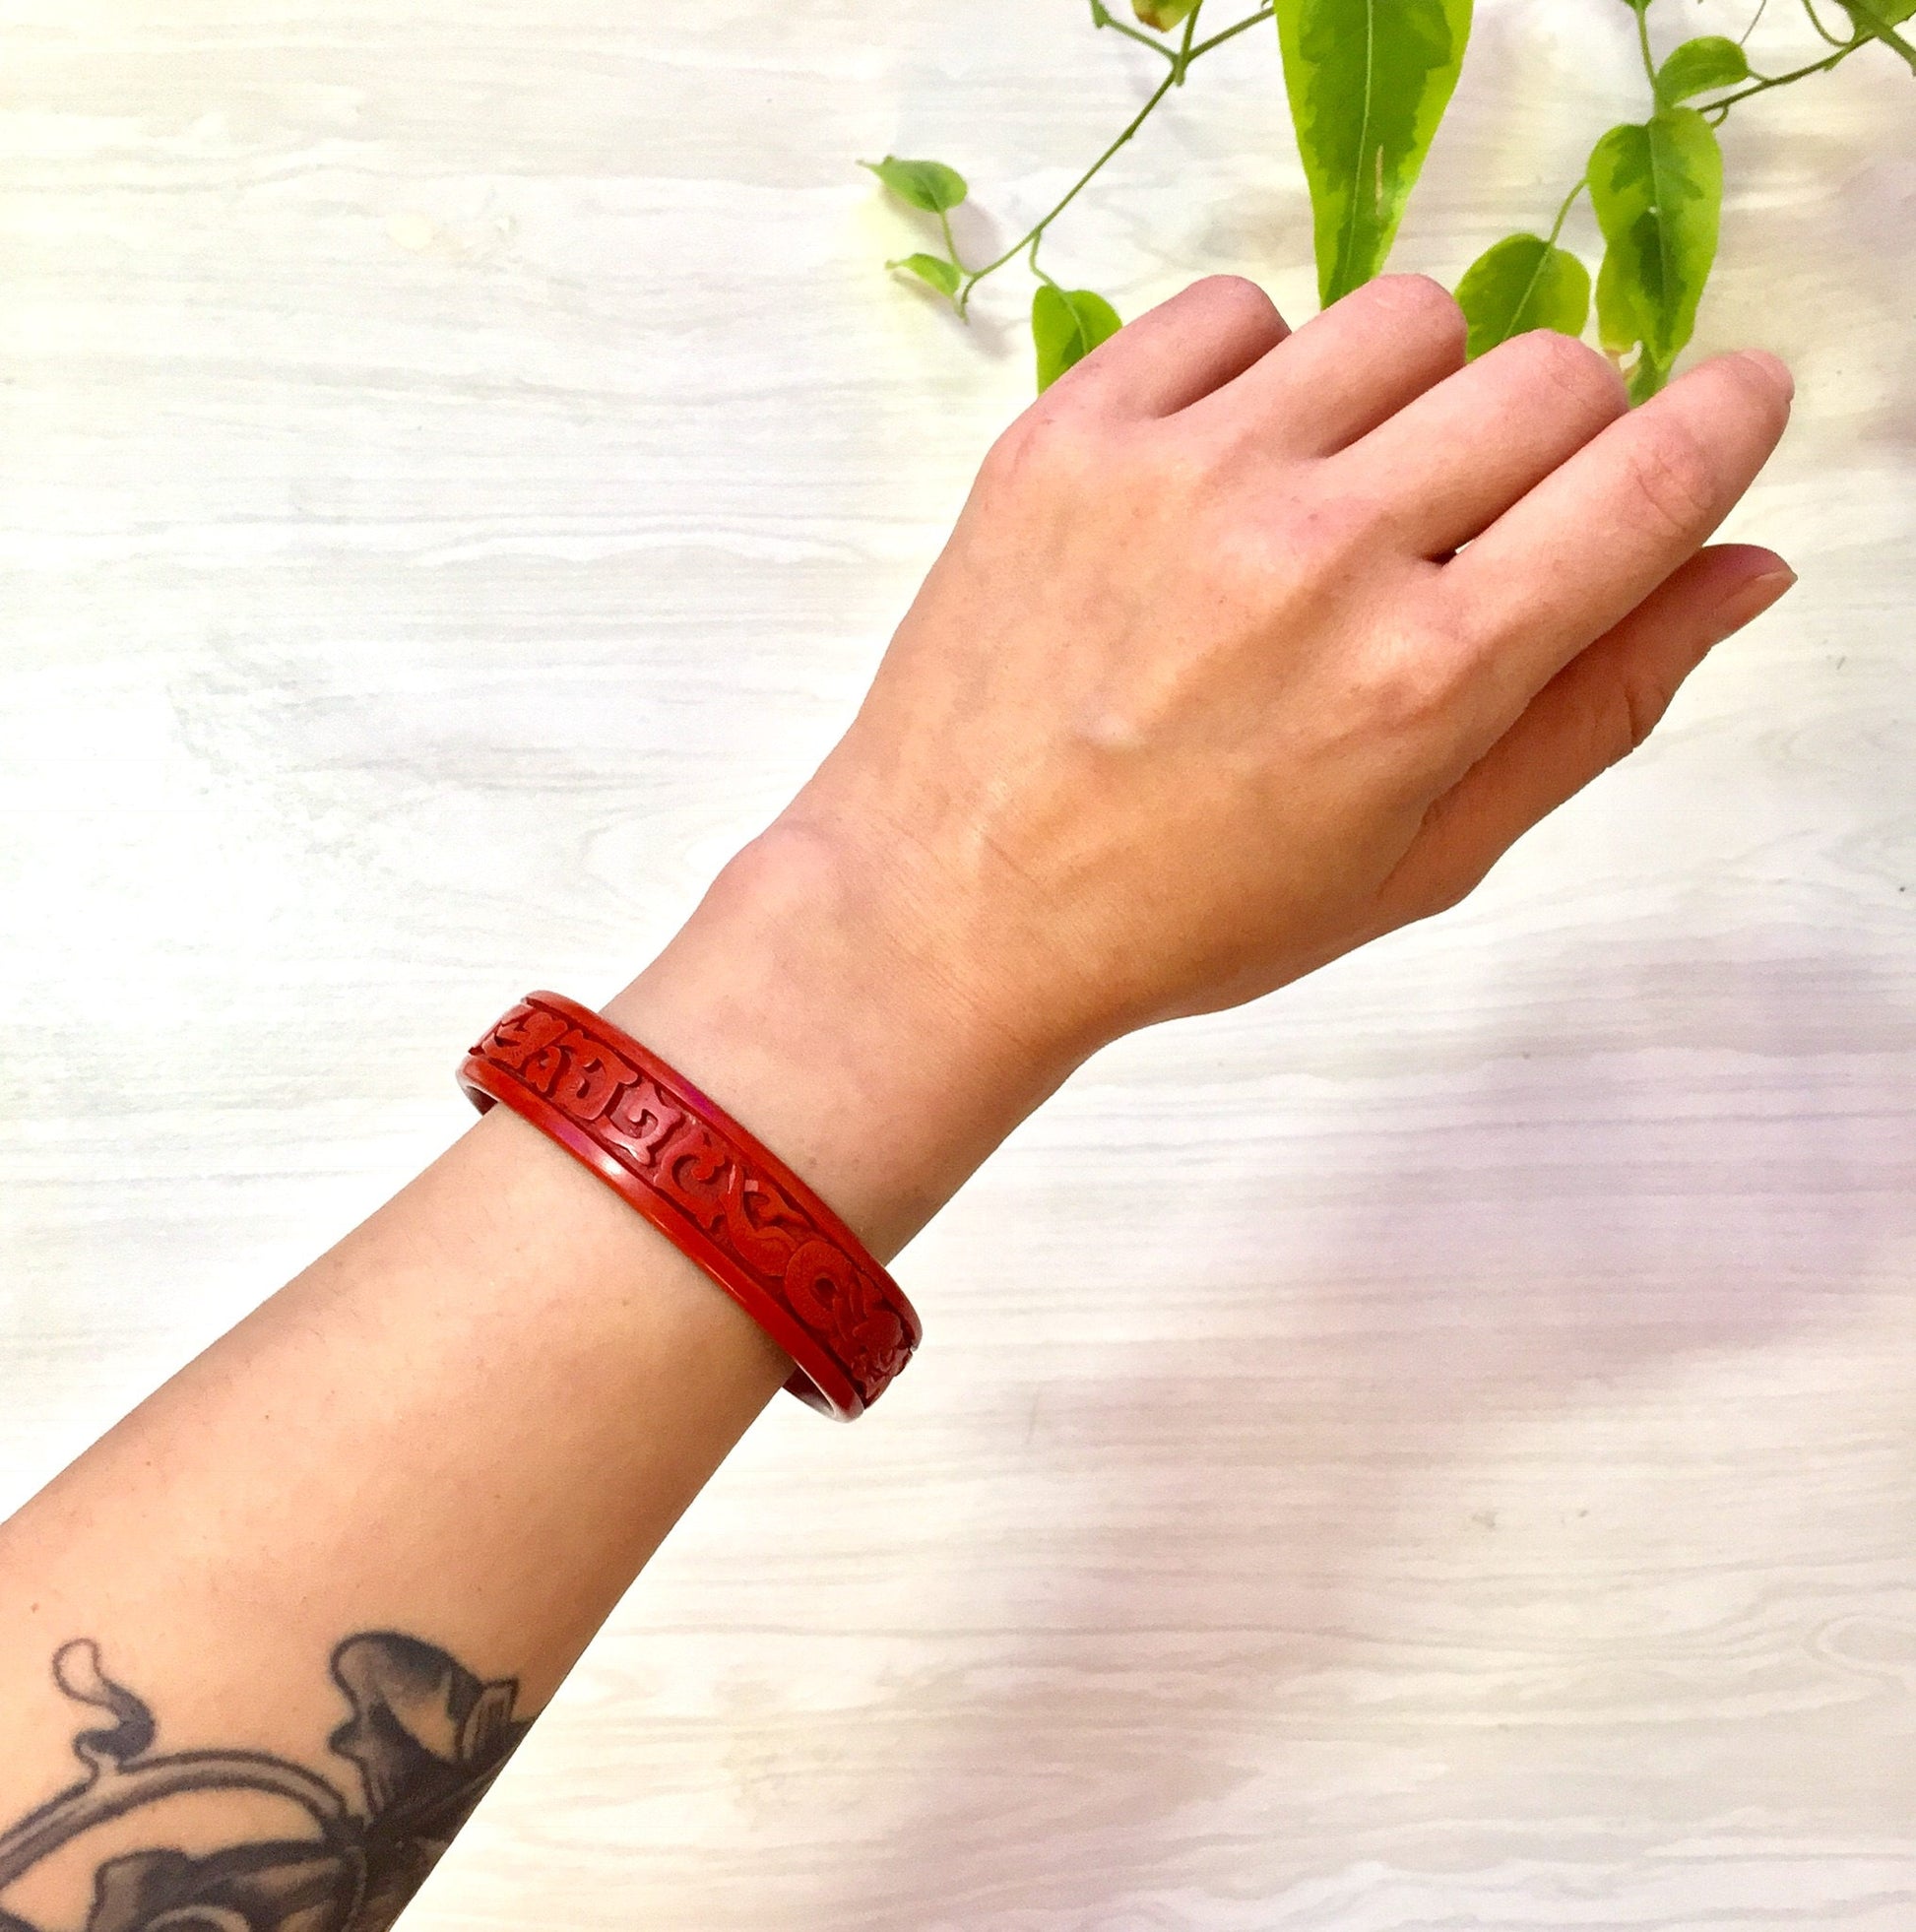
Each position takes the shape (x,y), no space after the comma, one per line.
(1744,559)
(1753,594)
(1772,368)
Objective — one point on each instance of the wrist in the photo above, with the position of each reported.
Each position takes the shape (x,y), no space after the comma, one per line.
(813,996)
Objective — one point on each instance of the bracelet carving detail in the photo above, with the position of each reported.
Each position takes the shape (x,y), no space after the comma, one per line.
(710,1187)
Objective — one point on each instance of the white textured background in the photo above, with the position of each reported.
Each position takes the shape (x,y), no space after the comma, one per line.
(1435,1450)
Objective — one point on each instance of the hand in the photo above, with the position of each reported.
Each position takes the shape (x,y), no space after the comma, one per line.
(1247,648)
(1206,688)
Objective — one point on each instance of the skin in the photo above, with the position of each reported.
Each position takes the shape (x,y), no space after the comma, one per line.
(1205,690)
(1247,647)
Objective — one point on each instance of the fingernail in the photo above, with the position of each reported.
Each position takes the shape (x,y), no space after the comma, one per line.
(1749,603)
(1775,368)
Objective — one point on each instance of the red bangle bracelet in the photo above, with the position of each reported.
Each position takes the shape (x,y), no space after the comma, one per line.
(710,1188)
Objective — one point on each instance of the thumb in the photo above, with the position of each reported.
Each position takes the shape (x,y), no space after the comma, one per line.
(1599,708)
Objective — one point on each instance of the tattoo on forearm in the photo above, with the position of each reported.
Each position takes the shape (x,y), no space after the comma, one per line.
(424,1740)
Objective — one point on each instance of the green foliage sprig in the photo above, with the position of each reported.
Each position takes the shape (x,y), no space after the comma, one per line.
(1369,82)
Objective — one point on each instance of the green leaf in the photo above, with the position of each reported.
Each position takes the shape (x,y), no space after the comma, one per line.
(1886,13)
(1368,81)
(1701,66)
(1617,325)
(1658,191)
(1646,378)
(1523,282)
(934,268)
(1617,330)
(1166,14)
(1066,324)
(927,184)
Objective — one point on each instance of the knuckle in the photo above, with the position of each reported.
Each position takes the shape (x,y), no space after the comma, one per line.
(1251,568)
(1449,862)
(1332,536)
(1233,294)
(1230,310)
(1051,444)
(1584,377)
(1636,704)
(1449,891)
(1172,470)
(1424,304)
(1415,688)
(1674,477)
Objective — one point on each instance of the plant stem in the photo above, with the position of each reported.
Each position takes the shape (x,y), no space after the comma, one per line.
(1083,181)
(1755,20)
(1102,16)
(1643,14)
(1722,107)
(1180,62)
(1815,21)
(1569,202)
(1870,22)
(1190,50)
(1230,33)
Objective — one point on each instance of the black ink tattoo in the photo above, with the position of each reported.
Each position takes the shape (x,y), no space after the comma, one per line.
(427,1738)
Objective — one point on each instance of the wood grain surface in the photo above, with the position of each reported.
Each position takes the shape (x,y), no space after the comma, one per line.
(1434,1449)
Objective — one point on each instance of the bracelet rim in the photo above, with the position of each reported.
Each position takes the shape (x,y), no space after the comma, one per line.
(819,1377)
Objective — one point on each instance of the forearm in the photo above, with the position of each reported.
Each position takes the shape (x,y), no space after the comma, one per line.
(472,1422)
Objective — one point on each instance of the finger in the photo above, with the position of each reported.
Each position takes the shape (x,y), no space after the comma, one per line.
(1350,369)
(1599,708)
(1453,460)
(1178,351)
(1596,536)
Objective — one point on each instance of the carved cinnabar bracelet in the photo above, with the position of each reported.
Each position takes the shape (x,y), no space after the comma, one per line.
(705,1183)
